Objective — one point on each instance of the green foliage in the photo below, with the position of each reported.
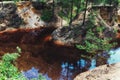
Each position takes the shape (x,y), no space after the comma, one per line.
(42,0)
(12,0)
(65,12)
(10,57)
(64,16)
(114,2)
(40,77)
(8,71)
(46,15)
(95,40)
(17,0)
(93,43)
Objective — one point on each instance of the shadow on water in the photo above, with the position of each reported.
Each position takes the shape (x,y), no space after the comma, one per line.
(55,62)
(68,70)
(58,62)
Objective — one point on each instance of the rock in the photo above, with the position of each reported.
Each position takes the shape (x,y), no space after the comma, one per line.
(105,72)
(9,17)
(2,26)
(68,35)
(76,33)
(20,14)
(30,15)
(73,34)
(26,14)
(57,22)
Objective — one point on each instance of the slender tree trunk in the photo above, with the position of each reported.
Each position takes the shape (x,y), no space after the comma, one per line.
(85,12)
(1,4)
(77,11)
(71,13)
(53,9)
(111,12)
(62,19)
(78,7)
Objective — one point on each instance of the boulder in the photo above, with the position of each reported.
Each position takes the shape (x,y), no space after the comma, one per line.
(9,16)
(68,35)
(30,16)
(105,72)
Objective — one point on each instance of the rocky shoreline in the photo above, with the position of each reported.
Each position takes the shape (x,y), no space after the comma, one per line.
(104,72)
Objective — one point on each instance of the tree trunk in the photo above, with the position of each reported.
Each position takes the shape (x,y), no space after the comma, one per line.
(85,12)
(53,9)
(1,4)
(71,13)
(78,7)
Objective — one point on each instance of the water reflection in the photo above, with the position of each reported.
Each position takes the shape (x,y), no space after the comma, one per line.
(93,64)
(33,74)
(46,77)
(60,66)
(68,69)
(66,72)
(82,63)
(114,56)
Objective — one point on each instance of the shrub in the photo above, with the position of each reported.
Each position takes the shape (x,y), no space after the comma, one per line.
(93,43)
(8,71)
(46,15)
(95,40)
